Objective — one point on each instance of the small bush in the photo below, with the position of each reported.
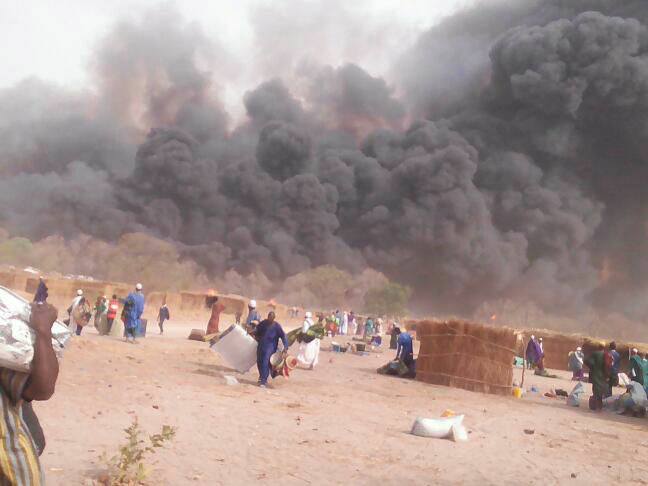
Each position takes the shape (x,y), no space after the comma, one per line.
(127,467)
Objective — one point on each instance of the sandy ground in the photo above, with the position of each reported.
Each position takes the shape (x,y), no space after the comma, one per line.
(339,424)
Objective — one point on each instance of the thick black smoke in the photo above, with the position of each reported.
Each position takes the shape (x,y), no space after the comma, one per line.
(522,179)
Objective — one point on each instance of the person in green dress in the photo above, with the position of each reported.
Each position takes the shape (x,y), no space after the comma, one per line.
(598,377)
(638,369)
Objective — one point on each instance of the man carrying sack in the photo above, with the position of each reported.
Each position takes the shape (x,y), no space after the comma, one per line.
(18,454)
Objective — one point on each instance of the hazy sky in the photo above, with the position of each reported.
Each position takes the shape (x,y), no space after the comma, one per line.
(55,40)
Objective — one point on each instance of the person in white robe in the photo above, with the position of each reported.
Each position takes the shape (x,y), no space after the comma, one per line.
(353,324)
(75,303)
(308,352)
(379,326)
(344,325)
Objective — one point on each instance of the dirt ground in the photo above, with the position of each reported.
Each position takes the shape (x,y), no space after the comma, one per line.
(339,424)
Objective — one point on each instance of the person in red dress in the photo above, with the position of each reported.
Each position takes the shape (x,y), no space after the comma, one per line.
(212,325)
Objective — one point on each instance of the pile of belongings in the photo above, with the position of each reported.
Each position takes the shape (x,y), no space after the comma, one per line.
(17,338)
(397,368)
(282,365)
(545,373)
(316,331)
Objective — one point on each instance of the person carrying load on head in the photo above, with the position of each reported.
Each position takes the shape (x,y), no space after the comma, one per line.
(214,320)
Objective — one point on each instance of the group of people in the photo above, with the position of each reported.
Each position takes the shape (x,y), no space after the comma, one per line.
(604,369)
(345,323)
(105,312)
(604,366)
(269,334)
(339,323)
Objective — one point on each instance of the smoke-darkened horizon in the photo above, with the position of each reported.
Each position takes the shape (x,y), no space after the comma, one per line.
(505,161)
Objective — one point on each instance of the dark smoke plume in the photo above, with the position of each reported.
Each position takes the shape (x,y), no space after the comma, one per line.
(522,177)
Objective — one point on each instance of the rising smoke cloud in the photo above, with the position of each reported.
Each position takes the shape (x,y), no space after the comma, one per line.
(509,163)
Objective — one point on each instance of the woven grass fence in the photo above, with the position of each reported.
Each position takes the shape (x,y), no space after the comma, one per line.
(465,355)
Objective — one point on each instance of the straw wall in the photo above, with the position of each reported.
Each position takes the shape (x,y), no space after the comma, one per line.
(556,346)
(190,301)
(13,279)
(233,304)
(65,290)
(465,355)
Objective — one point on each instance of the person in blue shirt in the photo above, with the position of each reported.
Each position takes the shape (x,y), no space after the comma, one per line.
(133,310)
(268,333)
(405,348)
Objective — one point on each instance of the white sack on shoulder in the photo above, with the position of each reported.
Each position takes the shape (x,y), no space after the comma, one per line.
(17,338)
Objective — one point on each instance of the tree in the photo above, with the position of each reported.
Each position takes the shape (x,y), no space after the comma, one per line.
(16,251)
(390,299)
(329,284)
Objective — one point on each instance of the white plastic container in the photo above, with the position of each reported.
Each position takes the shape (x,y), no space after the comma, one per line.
(237,348)
(17,338)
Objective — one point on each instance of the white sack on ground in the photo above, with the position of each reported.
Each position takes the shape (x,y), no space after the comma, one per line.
(438,428)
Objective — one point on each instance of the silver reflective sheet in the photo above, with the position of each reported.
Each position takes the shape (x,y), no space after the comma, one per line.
(17,338)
